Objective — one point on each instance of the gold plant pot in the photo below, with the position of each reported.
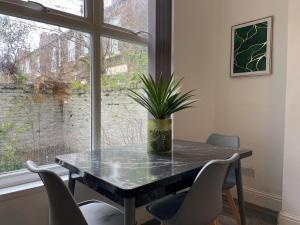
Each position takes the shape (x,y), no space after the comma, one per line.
(159,136)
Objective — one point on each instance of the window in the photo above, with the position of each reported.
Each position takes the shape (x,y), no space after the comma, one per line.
(132,14)
(71,49)
(54,60)
(85,46)
(123,120)
(38,64)
(53,108)
(46,113)
(59,53)
(75,7)
(27,66)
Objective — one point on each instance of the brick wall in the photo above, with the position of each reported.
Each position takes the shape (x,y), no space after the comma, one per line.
(46,126)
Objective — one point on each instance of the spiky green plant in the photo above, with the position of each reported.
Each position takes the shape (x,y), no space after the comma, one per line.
(162,100)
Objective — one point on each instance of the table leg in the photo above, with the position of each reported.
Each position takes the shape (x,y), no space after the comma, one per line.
(240,194)
(71,183)
(129,211)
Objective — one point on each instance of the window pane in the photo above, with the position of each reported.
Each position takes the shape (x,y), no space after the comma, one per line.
(130,14)
(75,7)
(44,98)
(123,120)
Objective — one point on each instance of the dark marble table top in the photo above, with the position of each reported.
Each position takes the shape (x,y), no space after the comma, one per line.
(128,170)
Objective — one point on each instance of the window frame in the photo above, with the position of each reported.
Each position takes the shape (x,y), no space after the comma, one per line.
(92,23)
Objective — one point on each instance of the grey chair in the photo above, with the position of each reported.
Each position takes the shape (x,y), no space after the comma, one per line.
(230,182)
(63,209)
(202,204)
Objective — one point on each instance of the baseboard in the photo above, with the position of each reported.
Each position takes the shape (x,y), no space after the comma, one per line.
(263,199)
(285,218)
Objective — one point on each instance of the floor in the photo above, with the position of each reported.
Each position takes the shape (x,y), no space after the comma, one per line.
(255,216)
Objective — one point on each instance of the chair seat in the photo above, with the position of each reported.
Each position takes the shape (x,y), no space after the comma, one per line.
(100,213)
(230,180)
(166,208)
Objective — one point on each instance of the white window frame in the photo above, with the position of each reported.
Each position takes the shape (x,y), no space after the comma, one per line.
(91,23)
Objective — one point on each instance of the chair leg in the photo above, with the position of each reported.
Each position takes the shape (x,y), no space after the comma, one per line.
(233,207)
(215,222)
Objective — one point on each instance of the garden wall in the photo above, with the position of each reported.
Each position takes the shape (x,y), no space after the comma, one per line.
(41,126)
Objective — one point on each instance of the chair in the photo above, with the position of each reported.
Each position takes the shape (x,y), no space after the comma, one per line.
(230,182)
(202,204)
(63,208)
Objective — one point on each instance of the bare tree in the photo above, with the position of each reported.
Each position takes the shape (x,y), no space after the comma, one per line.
(13,40)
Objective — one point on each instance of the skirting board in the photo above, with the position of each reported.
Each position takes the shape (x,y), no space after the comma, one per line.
(285,218)
(262,199)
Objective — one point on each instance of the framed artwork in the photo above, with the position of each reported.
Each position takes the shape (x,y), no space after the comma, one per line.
(251,48)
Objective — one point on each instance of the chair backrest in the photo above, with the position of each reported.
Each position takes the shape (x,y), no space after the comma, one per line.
(203,202)
(224,140)
(62,206)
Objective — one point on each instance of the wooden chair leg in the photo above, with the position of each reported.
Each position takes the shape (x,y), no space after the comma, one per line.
(215,222)
(233,207)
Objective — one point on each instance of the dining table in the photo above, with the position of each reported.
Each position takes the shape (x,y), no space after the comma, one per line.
(132,177)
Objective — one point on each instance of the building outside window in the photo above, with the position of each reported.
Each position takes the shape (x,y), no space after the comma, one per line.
(85,46)
(114,44)
(71,49)
(59,53)
(38,64)
(54,60)
(27,68)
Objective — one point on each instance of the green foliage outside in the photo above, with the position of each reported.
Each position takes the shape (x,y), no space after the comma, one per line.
(137,62)
(9,131)
(78,86)
(20,79)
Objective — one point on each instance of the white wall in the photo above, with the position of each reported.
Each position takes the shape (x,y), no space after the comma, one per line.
(30,207)
(290,214)
(252,108)
(192,60)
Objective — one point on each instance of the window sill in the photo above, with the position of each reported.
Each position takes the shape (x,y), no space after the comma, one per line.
(24,177)
(22,190)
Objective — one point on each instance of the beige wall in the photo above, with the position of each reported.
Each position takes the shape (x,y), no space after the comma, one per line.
(30,207)
(252,107)
(290,213)
(192,60)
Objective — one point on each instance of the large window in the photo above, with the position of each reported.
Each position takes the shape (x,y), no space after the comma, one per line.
(57,93)
(75,7)
(71,49)
(45,110)
(130,14)
(123,120)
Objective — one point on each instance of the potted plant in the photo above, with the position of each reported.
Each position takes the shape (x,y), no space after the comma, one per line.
(161,100)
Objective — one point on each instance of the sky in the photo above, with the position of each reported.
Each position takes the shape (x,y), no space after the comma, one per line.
(70,6)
